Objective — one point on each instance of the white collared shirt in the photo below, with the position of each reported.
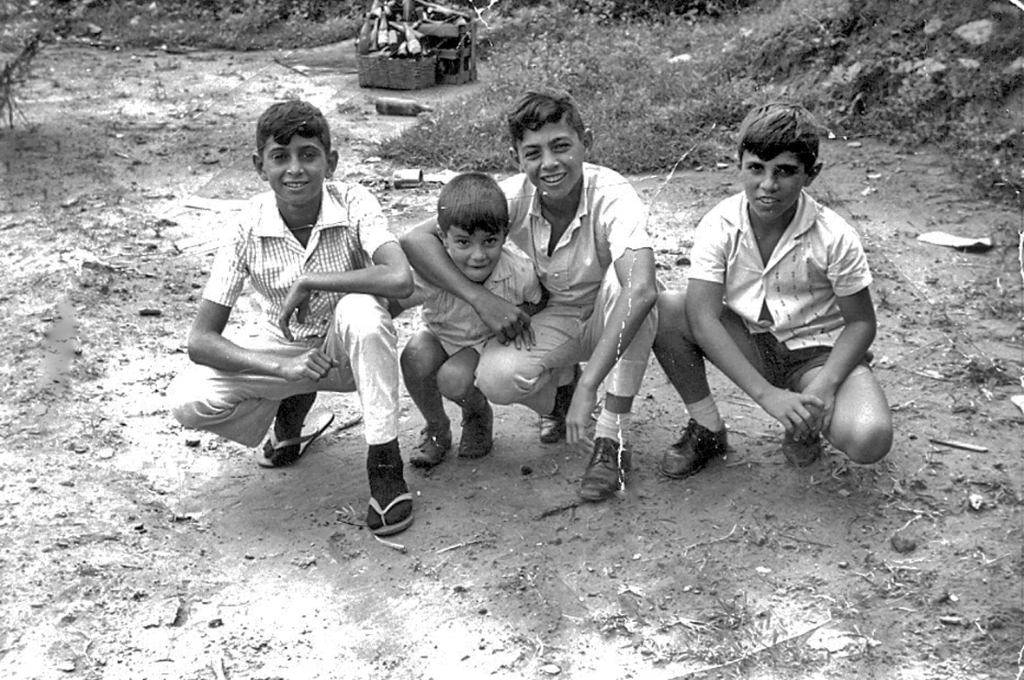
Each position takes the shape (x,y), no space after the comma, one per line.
(818,258)
(259,248)
(610,219)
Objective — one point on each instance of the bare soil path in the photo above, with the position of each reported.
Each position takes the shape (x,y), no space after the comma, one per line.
(130,548)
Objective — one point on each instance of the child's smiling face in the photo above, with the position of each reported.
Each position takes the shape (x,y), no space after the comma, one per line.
(474,254)
(552,157)
(773,187)
(296,171)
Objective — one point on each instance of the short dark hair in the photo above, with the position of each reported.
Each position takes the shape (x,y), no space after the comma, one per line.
(284,120)
(777,127)
(471,201)
(536,108)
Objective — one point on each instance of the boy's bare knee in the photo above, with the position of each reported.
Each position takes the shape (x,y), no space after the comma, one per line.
(361,315)
(187,415)
(504,389)
(671,306)
(455,388)
(871,445)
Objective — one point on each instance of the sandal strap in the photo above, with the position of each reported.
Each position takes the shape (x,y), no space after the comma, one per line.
(302,439)
(375,505)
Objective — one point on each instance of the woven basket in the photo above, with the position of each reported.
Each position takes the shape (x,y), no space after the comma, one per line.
(377,70)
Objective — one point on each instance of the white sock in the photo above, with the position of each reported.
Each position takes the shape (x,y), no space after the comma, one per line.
(705,412)
(612,425)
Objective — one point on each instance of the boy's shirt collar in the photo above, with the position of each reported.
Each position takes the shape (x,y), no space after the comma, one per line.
(271,225)
(803,219)
(503,269)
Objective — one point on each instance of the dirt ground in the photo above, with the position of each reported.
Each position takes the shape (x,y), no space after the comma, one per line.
(133,549)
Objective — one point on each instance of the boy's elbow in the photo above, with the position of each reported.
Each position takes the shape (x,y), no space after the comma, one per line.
(405,241)
(647,297)
(415,239)
(193,350)
(403,284)
(643,298)
(199,346)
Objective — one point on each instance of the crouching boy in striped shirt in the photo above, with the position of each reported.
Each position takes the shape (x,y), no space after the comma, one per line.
(322,262)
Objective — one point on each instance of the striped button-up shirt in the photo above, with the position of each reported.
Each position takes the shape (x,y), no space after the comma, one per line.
(260,249)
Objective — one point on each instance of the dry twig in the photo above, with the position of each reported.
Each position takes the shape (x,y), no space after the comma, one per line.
(711,542)
(394,546)
(464,544)
(218,667)
(754,652)
(13,74)
(347,515)
(804,540)
(560,508)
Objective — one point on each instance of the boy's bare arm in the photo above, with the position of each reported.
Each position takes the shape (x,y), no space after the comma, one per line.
(856,337)
(635,271)
(798,413)
(208,346)
(428,256)
(388,277)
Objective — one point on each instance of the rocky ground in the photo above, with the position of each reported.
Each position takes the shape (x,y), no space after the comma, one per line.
(134,549)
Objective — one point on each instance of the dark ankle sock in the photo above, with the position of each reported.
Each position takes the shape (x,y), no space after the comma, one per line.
(384,471)
(291,414)
(563,398)
(386,456)
(563,395)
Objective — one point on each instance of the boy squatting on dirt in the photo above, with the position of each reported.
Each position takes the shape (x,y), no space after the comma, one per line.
(441,359)
(778,298)
(322,261)
(583,227)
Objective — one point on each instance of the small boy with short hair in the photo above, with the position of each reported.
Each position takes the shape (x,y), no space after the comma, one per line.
(441,359)
(778,298)
(584,228)
(321,260)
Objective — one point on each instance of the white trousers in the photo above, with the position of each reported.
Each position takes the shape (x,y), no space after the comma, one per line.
(241,406)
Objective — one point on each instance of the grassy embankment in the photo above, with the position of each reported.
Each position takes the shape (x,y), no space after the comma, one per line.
(896,71)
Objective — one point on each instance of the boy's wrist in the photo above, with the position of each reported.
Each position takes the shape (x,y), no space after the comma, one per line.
(477,296)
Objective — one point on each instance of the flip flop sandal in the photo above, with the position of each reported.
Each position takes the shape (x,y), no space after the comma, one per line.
(385,529)
(277,454)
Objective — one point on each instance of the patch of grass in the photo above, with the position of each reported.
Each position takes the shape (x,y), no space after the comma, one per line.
(645,109)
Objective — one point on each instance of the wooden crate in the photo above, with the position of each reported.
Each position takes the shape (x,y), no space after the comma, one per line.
(455,46)
(377,70)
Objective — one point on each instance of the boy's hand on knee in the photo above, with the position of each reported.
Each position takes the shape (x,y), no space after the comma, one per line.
(313,364)
(799,413)
(507,322)
(827,397)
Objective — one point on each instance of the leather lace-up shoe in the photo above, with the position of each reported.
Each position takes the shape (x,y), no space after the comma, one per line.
(435,440)
(477,433)
(552,426)
(801,453)
(606,472)
(692,452)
